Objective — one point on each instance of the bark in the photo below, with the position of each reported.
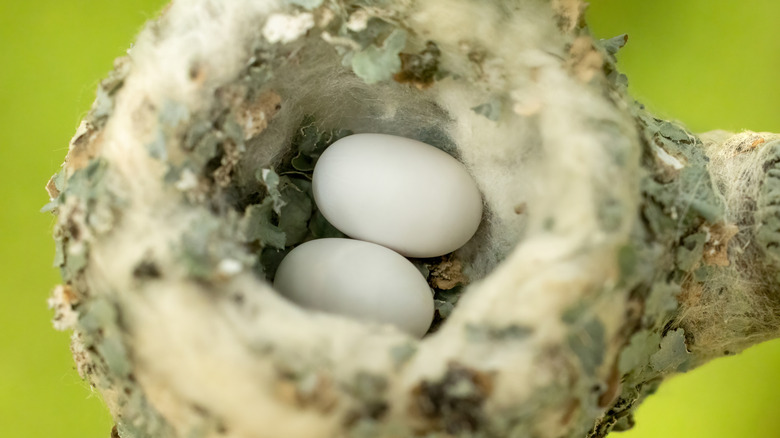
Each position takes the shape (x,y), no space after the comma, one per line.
(617,249)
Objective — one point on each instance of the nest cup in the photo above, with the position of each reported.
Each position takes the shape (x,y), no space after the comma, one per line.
(166,214)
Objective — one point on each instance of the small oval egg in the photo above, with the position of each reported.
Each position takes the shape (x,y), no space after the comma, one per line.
(358,279)
(397,192)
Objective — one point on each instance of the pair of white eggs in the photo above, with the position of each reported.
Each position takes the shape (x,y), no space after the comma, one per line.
(397,196)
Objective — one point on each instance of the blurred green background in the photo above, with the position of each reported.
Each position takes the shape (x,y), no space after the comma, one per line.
(708,63)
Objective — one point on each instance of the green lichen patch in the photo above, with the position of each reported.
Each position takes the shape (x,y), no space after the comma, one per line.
(295,214)
(101,335)
(203,142)
(139,419)
(98,313)
(258,226)
(114,353)
(444,302)
(172,118)
(366,30)
(106,93)
(208,243)
(271,181)
(158,147)
(768,205)
(370,389)
(682,205)
(308,143)
(673,355)
(676,208)
(70,258)
(305,388)
(576,312)
(588,342)
(611,212)
(674,133)
(86,183)
(489,333)
(91,210)
(212,144)
(379,63)
(637,353)
(628,258)
(679,197)
(689,254)
(661,303)
(705,274)
(612,45)
(173,115)
(401,354)
(491,110)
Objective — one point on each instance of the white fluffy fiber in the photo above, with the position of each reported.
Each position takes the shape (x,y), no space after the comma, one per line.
(191,346)
(737,307)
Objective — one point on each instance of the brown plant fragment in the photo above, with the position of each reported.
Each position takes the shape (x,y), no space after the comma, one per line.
(419,69)
(285,392)
(63,300)
(51,188)
(757,142)
(690,294)
(197,73)
(612,390)
(716,248)
(84,146)
(584,60)
(453,403)
(230,159)
(748,144)
(314,391)
(321,395)
(447,274)
(253,116)
(572,407)
(571,14)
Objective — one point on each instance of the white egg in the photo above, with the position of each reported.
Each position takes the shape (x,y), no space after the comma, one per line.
(397,192)
(358,279)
